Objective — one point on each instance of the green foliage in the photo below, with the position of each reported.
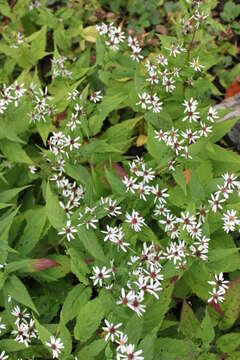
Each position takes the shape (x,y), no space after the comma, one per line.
(83,159)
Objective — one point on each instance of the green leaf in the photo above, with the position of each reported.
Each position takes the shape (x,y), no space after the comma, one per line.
(100,51)
(14,152)
(230,11)
(196,188)
(148,346)
(91,243)
(7,195)
(228,342)
(180,179)
(10,345)
(108,104)
(207,333)
(5,225)
(120,135)
(54,212)
(18,291)
(156,311)
(231,305)
(157,149)
(134,329)
(92,350)
(189,324)
(175,349)
(75,299)
(32,233)
(89,317)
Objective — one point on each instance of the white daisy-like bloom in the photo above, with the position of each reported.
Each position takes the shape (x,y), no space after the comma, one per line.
(169,84)
(231,217)
(2,325)
(219,282)
(216,296)
(224,190)
(160,195)
(100,275)
(200,17)
(150,66)
(32,169)
(96,96)
(169,222)
(136,56)
(144,99)
(111,330)
(160,135)
(153,78)
(212,114)
(230,181)
(131,354)
(136,220)
(144,190)
(205,130)
(133,41)
(3,355)
(112,208)
(112,233)
(68,230)
(173,50)
(187,220)
(72,95)
(147,174)
(72,143)
(130,184)
(21,333)
(161,60)
(125,297)
(200,252)
(190,105)
(55,345)
(136,304)
(122,341)
(21,315)
(215,202)
(195,64)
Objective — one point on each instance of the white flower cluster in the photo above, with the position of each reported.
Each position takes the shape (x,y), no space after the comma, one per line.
(230,218)
(11,94)
(146,277)
(219,289)
(59,68)
(124,350)
(114,35)
(133,43)
(42,107)
(25,328)
(180,142)
(140,179)
(192,23)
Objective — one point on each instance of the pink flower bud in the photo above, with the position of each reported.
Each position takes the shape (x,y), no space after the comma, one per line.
(43,264)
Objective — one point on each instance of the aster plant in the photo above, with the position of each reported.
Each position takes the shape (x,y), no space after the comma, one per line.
(119,208)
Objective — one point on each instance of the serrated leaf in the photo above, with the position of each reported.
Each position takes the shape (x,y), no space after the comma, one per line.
(231,305)
(91,243)
(15,287)
(90,317)
(189,324)
(32,232)
(54,212)
(75,299)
